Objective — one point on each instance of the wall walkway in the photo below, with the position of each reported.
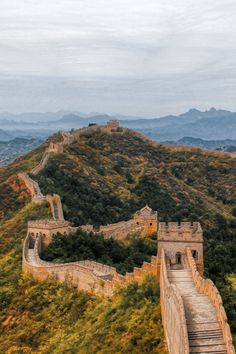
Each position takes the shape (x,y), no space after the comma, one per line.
(193,315)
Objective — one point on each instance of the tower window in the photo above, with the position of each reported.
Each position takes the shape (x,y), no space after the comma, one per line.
(194,254)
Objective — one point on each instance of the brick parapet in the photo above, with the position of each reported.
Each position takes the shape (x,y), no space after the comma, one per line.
(180,231)
(173,314)
(207,287)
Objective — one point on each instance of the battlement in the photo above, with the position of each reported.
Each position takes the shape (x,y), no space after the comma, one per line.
(49,224)
(182,231)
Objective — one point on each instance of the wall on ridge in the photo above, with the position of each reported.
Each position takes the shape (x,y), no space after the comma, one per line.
(84,275)
(144,221)
(56,206)
(53,149)
(33,188)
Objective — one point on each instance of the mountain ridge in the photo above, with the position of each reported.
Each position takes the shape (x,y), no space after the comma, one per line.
(211,125)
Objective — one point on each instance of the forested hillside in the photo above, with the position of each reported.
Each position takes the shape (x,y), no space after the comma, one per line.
(104,178)
(45,317)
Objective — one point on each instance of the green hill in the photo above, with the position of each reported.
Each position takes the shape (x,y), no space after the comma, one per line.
(104,178)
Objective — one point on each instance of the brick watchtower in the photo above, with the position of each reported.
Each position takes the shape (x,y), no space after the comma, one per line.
(175,237)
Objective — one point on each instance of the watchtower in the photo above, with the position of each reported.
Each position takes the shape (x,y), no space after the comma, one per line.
(175,237)
(55,148)
(147,219)
(112,125)
(47,229)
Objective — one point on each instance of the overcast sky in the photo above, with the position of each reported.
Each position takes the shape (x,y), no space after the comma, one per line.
(136,57)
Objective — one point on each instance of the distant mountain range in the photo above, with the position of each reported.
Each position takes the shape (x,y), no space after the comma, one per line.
(9,150)
(225,145)
(208,125)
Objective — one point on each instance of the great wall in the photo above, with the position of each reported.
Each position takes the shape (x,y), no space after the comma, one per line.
(193,315)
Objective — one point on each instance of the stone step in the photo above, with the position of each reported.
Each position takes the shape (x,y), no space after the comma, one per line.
(205,333)
(171,273)
(177,273)
(207,338)
(204,326)
(181,280)
(206,349)
(198,300)
(206,342)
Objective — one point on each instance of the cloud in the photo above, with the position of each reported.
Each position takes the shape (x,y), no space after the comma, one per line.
(129,56)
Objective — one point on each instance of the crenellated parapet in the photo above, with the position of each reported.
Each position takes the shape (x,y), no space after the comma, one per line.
(187,231)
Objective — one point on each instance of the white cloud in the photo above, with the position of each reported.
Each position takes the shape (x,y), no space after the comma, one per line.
(122,49)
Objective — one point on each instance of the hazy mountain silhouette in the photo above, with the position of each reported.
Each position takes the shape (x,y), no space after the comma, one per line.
(209,125)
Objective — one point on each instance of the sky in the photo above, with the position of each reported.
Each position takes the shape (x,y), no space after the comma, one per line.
(133,57)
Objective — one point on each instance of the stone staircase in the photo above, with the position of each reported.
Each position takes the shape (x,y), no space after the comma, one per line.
(204,332)
(31,257)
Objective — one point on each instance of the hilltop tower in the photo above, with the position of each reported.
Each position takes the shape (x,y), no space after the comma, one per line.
(55,148)
(112,125)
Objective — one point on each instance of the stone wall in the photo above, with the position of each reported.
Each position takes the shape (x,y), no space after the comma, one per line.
(74,274)
(120,230)
(85,275)
(53,149)
(207,287)
(144,221)
(173,315)
(41,164)
(56,206)
(33,187)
